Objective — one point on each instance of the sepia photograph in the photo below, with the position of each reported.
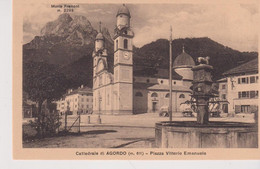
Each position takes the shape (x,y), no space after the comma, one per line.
(171,79)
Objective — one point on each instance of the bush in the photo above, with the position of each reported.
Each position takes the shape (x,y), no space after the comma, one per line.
(48,123)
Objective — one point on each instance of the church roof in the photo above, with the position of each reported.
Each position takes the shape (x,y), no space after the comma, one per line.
(123,10)
(183,59)
(166,87)
(155,73)
(99,36)
(139,85)
(248,67)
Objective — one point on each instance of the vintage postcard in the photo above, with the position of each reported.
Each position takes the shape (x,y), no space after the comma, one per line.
(135,80)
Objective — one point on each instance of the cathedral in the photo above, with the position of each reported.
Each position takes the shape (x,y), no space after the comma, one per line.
(130,90)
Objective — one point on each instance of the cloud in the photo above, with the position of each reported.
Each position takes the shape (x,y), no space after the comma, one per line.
(231,25)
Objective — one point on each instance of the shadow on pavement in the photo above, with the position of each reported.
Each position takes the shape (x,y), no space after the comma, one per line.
(149,140)
(99,131)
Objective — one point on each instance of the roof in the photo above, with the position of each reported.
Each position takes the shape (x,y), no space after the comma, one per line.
(183,59)
(222,80)
(166,87)
(84,90)
(155,73)
(123,10)
(138,85)
(248,67)
(99,36)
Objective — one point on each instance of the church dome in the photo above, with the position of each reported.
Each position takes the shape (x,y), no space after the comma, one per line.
(183,60)
(99,36)
(123,10)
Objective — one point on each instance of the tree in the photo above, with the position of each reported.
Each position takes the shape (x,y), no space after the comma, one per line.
(42,82)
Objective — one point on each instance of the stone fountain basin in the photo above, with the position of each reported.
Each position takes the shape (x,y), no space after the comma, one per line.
(190,134)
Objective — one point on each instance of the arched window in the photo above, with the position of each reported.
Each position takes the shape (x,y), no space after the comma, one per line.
(161,81)
(125,32)
(167,95)
(125,44)
(182,96)
(138,94)
(116,44)
(154,95)
(107,99)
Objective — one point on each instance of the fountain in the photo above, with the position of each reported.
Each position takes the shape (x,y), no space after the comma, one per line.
(204,133)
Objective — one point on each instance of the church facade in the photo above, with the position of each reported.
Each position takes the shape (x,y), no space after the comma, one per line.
(126,90)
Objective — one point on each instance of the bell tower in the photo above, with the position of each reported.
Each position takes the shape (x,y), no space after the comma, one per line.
(123,62)
(99,63)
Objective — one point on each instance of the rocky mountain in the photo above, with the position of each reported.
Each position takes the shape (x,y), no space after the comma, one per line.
(68,43)
(64,41)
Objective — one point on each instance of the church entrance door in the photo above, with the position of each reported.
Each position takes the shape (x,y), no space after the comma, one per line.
(154,108)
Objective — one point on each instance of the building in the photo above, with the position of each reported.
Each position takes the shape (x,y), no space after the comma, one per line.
(242,87)
(223,93)
(123,88)
(78,101)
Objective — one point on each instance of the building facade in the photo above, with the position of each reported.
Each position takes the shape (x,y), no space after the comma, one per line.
(242,88)
(76,101)
(223,94)
(127,89)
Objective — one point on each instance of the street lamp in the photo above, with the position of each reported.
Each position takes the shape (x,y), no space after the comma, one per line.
(170,75)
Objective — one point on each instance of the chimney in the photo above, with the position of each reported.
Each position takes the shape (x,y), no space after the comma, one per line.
(81,86)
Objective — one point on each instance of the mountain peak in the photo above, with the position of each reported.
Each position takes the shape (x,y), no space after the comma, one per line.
(65,17)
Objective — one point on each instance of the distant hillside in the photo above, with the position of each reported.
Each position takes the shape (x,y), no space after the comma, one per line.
(222,58)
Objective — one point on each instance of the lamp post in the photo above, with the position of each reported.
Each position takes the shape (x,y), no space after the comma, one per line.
(170,75)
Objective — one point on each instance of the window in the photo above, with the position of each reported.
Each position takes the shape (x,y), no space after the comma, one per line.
(161,81)
(125,32)
(182,96)
(108,99)
(100,80)
(75,106)
(252,79)
(82,99)
(253,94)
(243,80)
(223,96)
(243,94)
(245,108)
(223,86)
(174,82)
(167,95)
(154,95)
(138,94)
(125,44)
(116,44)
(148,80)
(82,106)
(87,100)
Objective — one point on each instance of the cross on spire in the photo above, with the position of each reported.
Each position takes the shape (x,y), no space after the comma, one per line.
(100,26)
(170,33)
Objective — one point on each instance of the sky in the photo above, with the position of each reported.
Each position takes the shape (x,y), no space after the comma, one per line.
(233,25)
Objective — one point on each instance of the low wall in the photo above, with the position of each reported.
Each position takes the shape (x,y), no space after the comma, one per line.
(189,134)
